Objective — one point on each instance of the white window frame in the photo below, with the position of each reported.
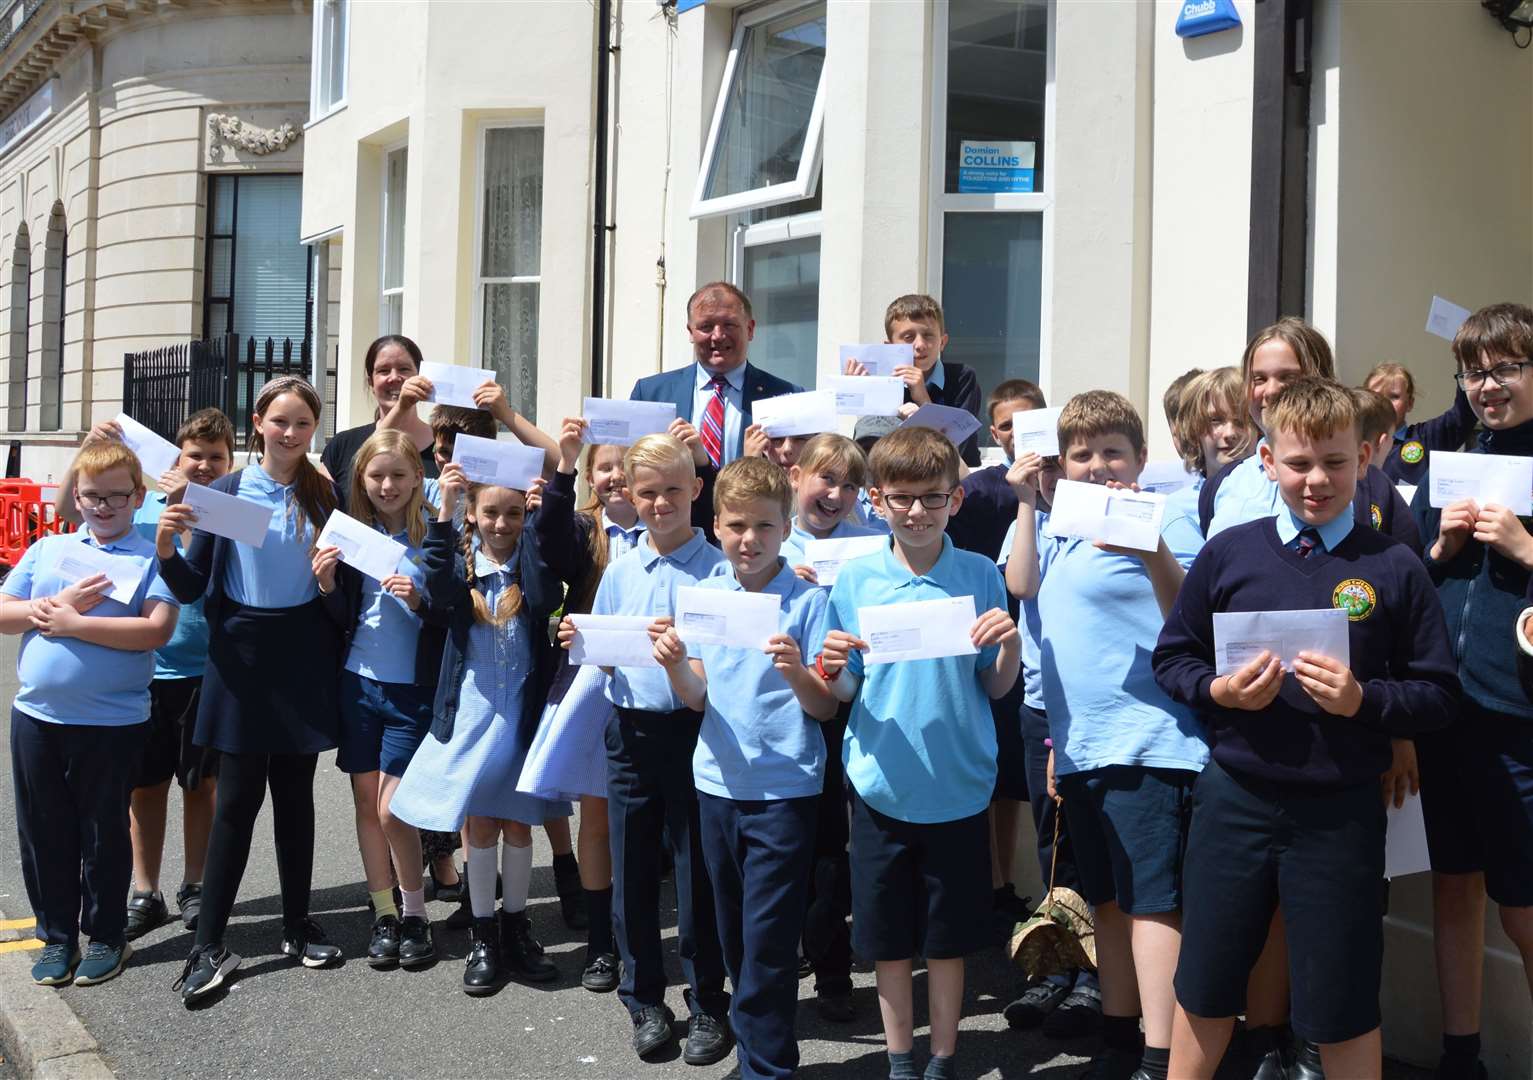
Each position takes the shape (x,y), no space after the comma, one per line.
(1038,202)
(798,227)
(387,294)
(480,281)
(319,68)
(801,186)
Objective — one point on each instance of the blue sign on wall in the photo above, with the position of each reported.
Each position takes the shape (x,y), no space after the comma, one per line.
(1199,17)
(995,166)
(688,5)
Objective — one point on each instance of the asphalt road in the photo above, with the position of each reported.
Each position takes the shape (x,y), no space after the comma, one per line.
(281,1020)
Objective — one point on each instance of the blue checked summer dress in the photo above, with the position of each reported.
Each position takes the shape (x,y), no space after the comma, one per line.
(475,771)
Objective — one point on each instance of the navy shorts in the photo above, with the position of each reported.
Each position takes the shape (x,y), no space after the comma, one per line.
(919,889)
(1128,828)
(1318,855)
(1477,798)
(168,747)
(1010,751)
(382,724)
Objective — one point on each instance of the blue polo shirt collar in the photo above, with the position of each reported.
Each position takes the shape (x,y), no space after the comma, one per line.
(935,376)
(780,585)
(941,574)
(262,480)
(122,543)
(682,555)
(1333,532)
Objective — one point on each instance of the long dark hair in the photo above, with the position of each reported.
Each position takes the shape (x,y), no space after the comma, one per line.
(314,492)
(382,343)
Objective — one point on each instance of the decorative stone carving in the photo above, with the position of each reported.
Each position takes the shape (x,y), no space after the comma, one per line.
(231,131)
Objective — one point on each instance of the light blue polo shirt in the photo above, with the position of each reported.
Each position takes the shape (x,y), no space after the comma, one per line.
(1100,622)
(920,742)
(383,646)
(1184,500)
(185,655)
(69,681)
(797,540)
(279,573)
(1031,629)
(645,583)
(868,517)
(1245,495)
(756,741)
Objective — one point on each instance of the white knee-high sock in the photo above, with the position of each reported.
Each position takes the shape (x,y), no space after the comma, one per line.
(516,876)
(481,880)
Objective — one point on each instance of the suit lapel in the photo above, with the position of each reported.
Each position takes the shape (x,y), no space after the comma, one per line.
(684,387)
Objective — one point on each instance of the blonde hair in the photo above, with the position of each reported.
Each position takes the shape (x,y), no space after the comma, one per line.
(1391,370)
(916,455)
(1171,400)
(750,478)
(1222,389)
(825,453)
(657,452)
(1308,345)
(1311,407)
(1099,412)
(106,455)
(401,446)
(509,606)
(1375,413)
(913,307)
(580,597)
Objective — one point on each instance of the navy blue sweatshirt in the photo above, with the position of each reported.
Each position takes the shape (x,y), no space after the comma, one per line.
(1399,648)
(988,510)
(1482,592)
(1450,431)
(959,390)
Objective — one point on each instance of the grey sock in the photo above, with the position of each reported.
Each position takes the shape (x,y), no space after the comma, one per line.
(940,1067)
(902,1067)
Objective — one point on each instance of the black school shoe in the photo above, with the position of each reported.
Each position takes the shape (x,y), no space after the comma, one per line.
(383,949)
(1306,1061)
(481,971)
(520,952)
(601,974)
(1112,1063)
(652,1030)
(1079,1014)
(416,947)
(207,968)
(1037,1002)
(708,1040)
(308,944)
(146,910)
(1449,1069)
(189,904)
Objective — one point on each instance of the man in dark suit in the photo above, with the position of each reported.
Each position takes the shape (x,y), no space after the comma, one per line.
(715,392)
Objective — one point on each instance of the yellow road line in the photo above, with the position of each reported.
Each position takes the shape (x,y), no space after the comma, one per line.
(18,924)
(21,946)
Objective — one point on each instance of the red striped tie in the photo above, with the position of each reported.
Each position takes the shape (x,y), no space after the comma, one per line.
(713,423)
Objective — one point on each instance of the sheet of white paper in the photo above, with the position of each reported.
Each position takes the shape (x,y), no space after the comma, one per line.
(503,462)
(82,560)
(1445,317)
(155,454)
(1165,477)
(613,422)
(828,556)
(1242,636)
(879,359)
(1503,479)
(1405,840)
(1407,492)
(1123,518)
(956,424)
(735,619)
(228,515)
(1035,431)
(453,384)
(865,395)
(366,549)
(923,630)
(613,641)
(808,413)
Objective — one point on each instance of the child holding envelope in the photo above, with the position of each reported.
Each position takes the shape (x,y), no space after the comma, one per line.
(760,761)
(1288,816)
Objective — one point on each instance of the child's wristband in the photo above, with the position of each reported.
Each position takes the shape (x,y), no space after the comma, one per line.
(819,669)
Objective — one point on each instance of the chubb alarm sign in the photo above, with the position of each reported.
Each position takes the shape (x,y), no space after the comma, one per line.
(995,166)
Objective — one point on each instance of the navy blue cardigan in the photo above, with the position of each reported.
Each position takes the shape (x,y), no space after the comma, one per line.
(344,605)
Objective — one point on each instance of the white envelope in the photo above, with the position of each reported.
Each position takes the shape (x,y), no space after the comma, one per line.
(1035,431)
(364,548)
(1165,477)
(612,422)
(1405,840)
(453,384)
(1114,516)
(808,413)
(956,424)
(922,630)
(1242,636)
(729,617)
(228,515)
(880,359)
(865,395)
(502,462)
(828,556)
(613,641)
(1503,479)
(1445,317)
(158,456)
(82,560)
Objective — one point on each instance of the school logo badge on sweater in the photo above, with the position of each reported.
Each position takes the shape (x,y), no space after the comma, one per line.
(1375,516)
(1356,597)
(1412,452)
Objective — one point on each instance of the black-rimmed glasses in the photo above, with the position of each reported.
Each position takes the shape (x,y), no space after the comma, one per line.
(932,500)
(1504,375)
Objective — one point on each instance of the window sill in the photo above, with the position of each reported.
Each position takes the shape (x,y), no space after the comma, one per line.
(337,108)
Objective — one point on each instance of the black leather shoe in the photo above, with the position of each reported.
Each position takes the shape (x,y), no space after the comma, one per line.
(1449,1069)
(601,974)
(146,910)
(1040,999)
(1112,1064)
(481,973)
(652,1030)
(308,944)
(189,903)
(708,1040)
(383,949)
(416,948)
(835,1006)
(1079,1014)
(520,952)
(1306,1062)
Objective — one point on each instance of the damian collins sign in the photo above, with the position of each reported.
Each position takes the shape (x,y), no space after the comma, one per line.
(19,124)
(995,166)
